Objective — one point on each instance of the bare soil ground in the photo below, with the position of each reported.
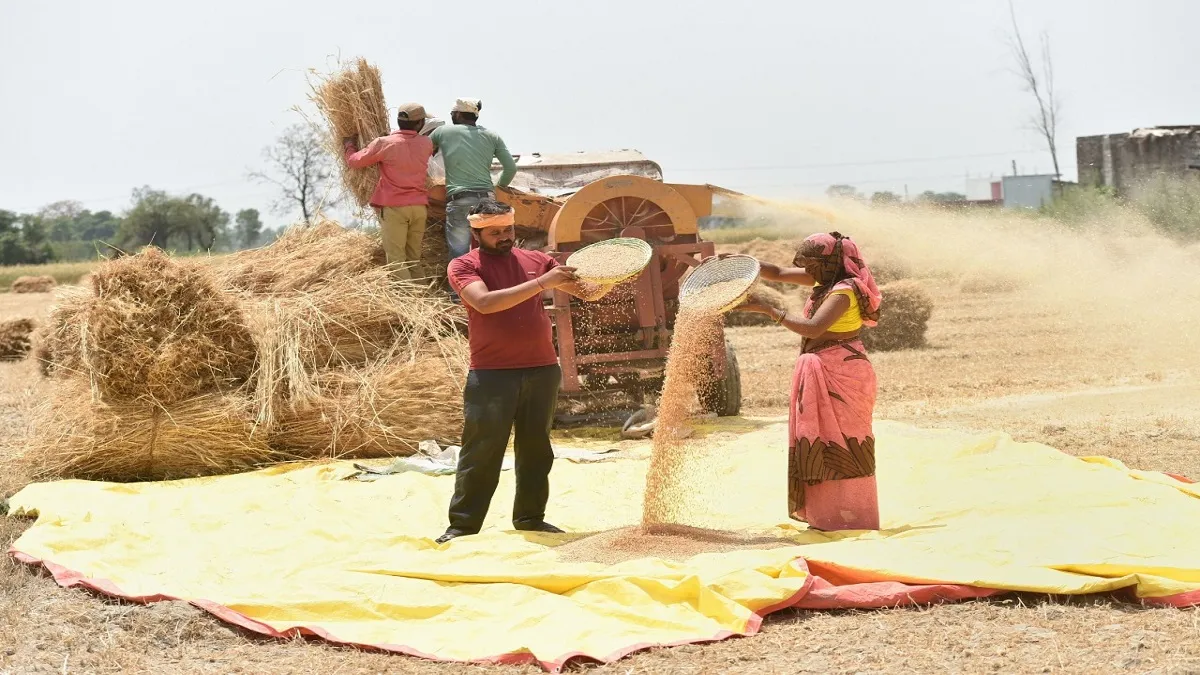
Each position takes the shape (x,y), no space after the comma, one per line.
(1067,386)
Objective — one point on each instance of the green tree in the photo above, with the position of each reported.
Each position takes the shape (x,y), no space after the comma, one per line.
(842,192)
(158,218)
(248,228)
(941,197)
(885,197)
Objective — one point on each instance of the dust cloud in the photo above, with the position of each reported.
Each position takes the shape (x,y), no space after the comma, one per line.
(1112,274)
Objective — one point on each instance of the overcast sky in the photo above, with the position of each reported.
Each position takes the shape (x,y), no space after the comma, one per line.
(778,98)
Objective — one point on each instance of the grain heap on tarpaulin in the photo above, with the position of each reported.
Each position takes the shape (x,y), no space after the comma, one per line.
(303,349)
(675,494)
(352,103)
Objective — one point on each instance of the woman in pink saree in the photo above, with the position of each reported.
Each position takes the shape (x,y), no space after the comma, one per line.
(831,444)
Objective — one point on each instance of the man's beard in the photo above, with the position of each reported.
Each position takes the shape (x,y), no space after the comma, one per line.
(501,248)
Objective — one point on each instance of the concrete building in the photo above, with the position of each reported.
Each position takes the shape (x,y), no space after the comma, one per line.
(1122,161)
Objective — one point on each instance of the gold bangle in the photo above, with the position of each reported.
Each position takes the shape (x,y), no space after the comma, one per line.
(782,316)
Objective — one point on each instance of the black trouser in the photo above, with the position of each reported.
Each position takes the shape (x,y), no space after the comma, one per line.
(494,402)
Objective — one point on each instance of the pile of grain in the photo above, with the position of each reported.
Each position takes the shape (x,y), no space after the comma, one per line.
(15,339)
(715,297)
(303,349)
(668,542)
(351,99)
(903,319)
(678,469)
(38,284)
(607,262)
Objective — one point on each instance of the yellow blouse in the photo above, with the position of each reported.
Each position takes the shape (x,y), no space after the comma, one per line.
(851,320)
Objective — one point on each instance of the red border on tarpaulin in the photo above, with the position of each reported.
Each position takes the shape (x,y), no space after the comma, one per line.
(816,594)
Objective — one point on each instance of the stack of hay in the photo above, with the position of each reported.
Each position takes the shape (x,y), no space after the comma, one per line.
(15,338)
(38,284)
(352,102)
(304,349)
(903,319)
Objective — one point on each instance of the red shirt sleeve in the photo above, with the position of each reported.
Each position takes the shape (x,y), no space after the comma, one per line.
(367,156)
(550,262)
(462,273)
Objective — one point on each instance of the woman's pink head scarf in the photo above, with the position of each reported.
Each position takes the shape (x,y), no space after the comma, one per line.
(842,268)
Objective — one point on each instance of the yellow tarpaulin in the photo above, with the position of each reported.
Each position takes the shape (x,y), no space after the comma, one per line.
(301,547)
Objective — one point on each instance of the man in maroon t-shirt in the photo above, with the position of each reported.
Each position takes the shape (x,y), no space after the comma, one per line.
(514,378)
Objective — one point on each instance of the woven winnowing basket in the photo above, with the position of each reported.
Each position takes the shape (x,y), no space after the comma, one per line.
(742,268)
(617,271)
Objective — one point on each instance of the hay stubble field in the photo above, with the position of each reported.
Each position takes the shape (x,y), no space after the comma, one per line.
(1002,360)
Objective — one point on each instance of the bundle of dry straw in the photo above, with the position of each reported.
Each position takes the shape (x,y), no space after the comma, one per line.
(351,100)
(903,319)
(15,339)
(383,410)
(38,284)
(57,343)
(78,436)
(161,329)
(306,348)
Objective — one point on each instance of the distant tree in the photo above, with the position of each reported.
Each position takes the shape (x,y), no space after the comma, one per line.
(148,221)
(60,219)
(158,218)
(1038,80)
(941,197)
(842,192)
(203,223)
(23,240)
(885,197)
(248,228)
(301,168)
(98,226)
(8,221)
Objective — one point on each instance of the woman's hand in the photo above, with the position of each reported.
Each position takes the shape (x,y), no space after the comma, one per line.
(753,304)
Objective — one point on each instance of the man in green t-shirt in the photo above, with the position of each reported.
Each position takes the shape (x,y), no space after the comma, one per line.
(467,151)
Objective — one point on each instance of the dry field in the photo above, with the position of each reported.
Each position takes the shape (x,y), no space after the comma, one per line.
(1041,362)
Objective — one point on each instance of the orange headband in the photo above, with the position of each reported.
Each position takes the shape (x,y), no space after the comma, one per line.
(481,220)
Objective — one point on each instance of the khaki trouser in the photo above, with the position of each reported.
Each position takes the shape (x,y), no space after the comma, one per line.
(402,229)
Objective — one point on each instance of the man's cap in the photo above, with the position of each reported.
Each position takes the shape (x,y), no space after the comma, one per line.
(413,112)
(468,105)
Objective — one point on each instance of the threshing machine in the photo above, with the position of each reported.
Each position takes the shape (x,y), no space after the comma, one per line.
(618,344)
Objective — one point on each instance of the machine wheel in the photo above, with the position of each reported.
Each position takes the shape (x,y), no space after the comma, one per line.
(723,396)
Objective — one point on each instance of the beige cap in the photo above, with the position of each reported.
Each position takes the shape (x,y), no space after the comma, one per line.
(413,112)
(468,105)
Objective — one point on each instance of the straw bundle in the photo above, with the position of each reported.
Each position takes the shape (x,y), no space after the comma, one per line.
(303,258)
(304,348)
(383,411)
(38,284)
(57,342)
(349,321)
(77,436)
(435,255)
(351,100)
(903,319)
(161,329)
(14,339)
